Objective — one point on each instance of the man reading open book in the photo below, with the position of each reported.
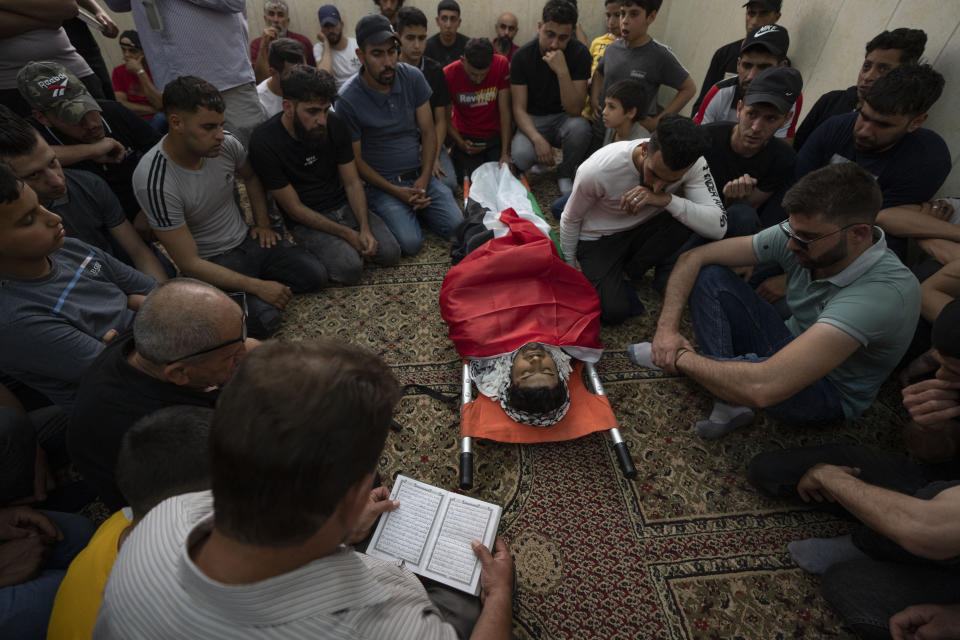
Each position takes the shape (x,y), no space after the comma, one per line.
(293,448)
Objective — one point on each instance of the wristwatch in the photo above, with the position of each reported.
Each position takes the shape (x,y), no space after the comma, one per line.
(141,72)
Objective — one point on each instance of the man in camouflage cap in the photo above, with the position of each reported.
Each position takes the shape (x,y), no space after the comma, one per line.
(100,136)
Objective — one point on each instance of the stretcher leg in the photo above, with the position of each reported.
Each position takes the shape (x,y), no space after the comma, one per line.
(619,446)
(466,443)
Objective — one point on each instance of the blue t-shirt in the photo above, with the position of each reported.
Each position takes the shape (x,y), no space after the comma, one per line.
(386,123)
(51,327)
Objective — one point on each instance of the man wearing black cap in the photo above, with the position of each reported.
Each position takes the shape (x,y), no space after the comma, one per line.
(764,48)
(387,110)
(334,52)
(723,65)
(447,46)
(747,161)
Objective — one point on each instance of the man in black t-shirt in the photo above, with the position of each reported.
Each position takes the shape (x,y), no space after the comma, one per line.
(187,339)
(447,46)
(100,136)
(723,65)
(548,85)
(747,161)
(885,52)
(304,157)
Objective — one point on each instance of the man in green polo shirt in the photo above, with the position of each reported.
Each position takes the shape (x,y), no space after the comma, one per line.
(854,306)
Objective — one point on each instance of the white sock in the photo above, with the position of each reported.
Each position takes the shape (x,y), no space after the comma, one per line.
(723,419)
(640,355)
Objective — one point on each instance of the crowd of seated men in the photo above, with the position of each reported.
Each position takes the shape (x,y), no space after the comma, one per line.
(135,291)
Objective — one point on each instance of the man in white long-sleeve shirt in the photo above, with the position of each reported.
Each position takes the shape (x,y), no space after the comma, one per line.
(634,204)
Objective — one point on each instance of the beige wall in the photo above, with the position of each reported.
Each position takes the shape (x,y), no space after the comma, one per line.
(827,37)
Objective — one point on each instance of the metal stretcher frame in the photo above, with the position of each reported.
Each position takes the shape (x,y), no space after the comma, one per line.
(627,467)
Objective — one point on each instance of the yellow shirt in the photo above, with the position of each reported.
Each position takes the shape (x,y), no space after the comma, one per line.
(78,598)
(596,52)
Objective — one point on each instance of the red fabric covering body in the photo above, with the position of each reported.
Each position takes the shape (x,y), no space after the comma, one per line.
(514,290)
(484,418)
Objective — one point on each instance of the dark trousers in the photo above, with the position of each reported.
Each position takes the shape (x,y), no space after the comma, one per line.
(867,592)
(634,252)
(466,163)
(284,262)
(19,435)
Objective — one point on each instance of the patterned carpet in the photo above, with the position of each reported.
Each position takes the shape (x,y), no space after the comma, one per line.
(687,550)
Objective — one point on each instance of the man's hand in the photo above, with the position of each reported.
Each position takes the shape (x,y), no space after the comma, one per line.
(639,197)
(544,151)
(740,188)
(557,62)
(650,123)
(931,402)
(23,559)
(596,110)
(812,485)
(269,35)
(322,39)
(109,336)
(420,200)
(504,159)
(24,522)
(108,151)
(273,292)
(416,198)
(772,289)
(665,346)
(471,148)
(265,235)
(437,169)
(939,209)
(926,622)
(496,570)
(368,244)
(379,502)
(134,65)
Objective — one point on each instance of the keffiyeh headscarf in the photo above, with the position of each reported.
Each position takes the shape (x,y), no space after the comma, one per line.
(492,377)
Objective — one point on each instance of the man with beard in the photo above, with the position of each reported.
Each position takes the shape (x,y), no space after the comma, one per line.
(335,53)
(506,29)
(185,345)
(854,305)
(389,9)
(276,18)
(304,157)
(387,111)
(886,138)
(885,52)
(186,187)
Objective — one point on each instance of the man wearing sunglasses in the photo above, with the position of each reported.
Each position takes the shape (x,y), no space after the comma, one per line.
(854,305)
(186,342)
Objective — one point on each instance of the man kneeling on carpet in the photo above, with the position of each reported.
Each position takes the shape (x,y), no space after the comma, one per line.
(854,310)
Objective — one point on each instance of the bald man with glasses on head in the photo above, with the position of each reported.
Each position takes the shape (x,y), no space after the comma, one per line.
(854,310)
(185,345)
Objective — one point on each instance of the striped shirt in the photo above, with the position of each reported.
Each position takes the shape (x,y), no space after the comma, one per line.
(156,591)
(172,197)
(203,38)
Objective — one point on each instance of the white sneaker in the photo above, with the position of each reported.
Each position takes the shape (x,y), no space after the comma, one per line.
(565,185)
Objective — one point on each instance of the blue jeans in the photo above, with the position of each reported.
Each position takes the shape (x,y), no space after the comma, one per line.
(442,215)
(25,608)
(570,133)
(732,322)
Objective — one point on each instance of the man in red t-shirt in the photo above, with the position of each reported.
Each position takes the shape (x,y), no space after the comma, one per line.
(276,20)
(132,82)
(479,116)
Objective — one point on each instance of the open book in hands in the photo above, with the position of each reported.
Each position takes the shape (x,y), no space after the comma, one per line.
(431,531)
